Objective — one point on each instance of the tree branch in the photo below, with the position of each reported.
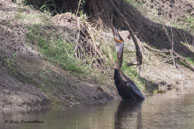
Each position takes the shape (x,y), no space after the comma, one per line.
(138,51)
(171,40)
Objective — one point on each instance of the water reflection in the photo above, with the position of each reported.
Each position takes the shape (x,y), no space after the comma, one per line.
(167,111)
(127,110)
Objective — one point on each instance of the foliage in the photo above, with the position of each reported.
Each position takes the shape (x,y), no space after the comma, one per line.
(133,75)
(15,70)
(190,60)
(135,3)
(56,50)
(189,22)
(37,18)
(49,7)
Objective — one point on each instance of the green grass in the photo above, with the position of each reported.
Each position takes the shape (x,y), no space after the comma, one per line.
(60,52)
(132,72)
(49,7)
(189,22)
(190,60)
(15,70)
(37,18)
(129,71)
(134,3)
(57,50)
(134,75)
(20,16)
(142,83)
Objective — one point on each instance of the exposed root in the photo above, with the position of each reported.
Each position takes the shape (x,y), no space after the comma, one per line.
(165,53)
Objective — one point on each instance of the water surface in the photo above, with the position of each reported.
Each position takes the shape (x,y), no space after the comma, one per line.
(166,111)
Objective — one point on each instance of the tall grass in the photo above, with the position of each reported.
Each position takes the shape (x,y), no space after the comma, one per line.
(57,50)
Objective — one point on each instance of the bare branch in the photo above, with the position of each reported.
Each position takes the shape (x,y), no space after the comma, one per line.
(138,51)
(171,40)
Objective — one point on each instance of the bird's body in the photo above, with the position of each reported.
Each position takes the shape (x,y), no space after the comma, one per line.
(126,87)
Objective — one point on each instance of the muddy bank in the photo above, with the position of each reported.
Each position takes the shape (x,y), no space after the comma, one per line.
(18,96)
(29,79)
(175,10)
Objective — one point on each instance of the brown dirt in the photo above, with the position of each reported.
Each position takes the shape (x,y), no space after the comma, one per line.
(21,68)
(80,32)
(146,30)
(173,9)
(18,96)
(154,35)
(23,64)
(157,73)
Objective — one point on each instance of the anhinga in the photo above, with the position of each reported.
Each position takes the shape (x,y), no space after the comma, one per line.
(125,86)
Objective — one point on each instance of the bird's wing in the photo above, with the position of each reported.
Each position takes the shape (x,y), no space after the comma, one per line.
(135,90)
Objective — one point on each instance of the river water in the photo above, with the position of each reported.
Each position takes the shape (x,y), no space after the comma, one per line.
(164,111)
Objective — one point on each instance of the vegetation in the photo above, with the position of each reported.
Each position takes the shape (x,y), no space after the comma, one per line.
(60,52)
(133,74)
(56,50)
(185,22)
(191,60)
(88,55)
(188,23)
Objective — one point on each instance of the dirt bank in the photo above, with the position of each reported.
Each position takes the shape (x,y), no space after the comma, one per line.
(175,10)
(65,60)
(18,96)
(26,73)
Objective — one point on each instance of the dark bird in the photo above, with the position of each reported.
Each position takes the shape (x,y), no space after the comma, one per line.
(125,86)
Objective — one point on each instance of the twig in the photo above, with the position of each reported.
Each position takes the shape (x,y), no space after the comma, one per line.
(138,51)
(176,57)
(3,85)
(185,60)
(78,7)
(172,53)
(156,50)
(67,101)
(78,36)
(171,40)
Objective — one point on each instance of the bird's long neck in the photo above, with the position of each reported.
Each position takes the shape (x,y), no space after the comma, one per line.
(119,48)
(119,60)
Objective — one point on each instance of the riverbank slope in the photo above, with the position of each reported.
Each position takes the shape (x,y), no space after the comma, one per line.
(67,60)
